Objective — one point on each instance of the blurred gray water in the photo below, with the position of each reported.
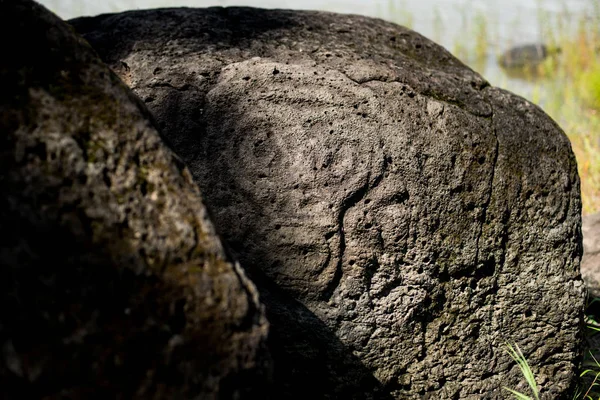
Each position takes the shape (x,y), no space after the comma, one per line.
(448,22)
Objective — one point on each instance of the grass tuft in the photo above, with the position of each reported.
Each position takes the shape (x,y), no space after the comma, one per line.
(515,352)
(589,384)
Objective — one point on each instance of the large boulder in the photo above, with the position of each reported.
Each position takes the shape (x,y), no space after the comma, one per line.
(401,218)
(113,282)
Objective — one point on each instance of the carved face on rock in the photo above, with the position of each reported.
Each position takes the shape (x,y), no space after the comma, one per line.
(393,208)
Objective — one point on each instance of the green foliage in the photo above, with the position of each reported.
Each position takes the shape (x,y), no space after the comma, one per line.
(591,368)
(589,386)
(517,355)
(594,371)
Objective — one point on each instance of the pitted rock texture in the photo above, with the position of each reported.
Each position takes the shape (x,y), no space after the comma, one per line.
(401,218)
(113,282)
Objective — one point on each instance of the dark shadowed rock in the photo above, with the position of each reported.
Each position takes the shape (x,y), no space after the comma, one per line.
(113,283)
(402,218)
(526,55)
(590,263)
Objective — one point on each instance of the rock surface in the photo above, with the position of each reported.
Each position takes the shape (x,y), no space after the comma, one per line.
(113,282)
(401,218)
(590,263)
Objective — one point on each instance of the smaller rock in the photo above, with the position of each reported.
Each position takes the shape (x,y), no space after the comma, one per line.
(590,263)
(524,56)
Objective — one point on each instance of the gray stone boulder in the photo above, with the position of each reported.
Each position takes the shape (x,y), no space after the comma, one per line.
(590,263)
(113,281)
(401,218)
(522,56)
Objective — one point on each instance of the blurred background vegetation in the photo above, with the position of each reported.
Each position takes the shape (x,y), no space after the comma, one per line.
(563,79)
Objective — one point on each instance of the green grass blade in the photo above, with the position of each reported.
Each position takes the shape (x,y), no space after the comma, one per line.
(517,355)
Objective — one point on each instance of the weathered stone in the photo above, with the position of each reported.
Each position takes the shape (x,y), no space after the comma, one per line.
(113,282)
(527,55)
(401,218)
(590,263)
